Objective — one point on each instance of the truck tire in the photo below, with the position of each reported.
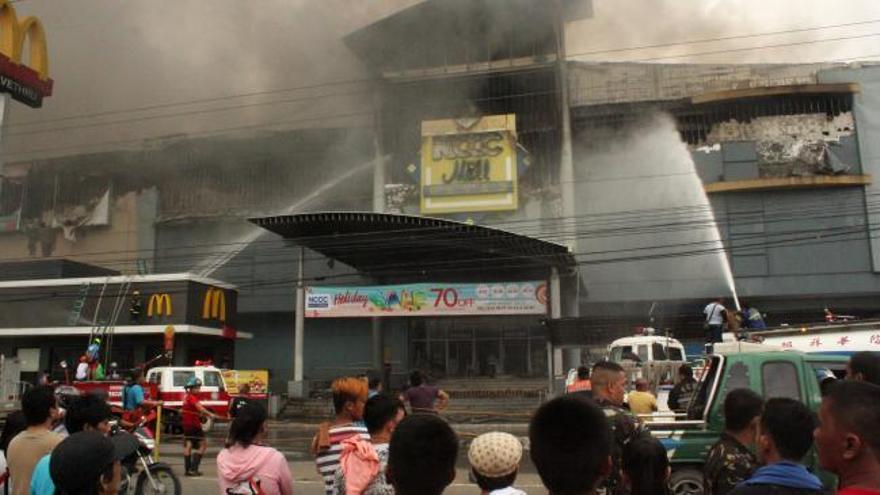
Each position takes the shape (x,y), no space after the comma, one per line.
(686,481)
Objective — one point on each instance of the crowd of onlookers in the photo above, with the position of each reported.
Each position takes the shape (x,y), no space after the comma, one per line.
(579,443)
(45,456)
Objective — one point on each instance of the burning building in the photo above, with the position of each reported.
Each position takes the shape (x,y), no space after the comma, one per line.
(490,169)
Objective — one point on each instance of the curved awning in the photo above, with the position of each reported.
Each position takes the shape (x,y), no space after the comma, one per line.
(385,244)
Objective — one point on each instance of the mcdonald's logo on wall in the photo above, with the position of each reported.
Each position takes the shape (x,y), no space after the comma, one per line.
(25,83)
(214,305)
(160,304)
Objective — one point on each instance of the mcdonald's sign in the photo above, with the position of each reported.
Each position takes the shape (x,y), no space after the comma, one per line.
(214,306)
(159,304)
(25,83)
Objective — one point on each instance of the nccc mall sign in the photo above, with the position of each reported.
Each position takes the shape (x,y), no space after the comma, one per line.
(507,298)
(28,84)
(469,165)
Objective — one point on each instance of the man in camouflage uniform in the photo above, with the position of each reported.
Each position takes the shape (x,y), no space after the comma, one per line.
(730,461)
(609,380)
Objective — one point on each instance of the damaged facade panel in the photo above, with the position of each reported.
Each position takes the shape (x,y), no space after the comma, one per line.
(788,145)
(600,83)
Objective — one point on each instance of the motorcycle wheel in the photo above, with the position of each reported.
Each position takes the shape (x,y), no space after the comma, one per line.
(167,482)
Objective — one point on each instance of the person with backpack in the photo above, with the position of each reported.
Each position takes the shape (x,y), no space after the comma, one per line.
(246,466)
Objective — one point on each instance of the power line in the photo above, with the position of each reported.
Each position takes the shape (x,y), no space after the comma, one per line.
(583,226)
(366,80)
(395,269)
(722,38)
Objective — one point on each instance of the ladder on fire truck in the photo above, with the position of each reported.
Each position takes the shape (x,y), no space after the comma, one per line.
(106,330)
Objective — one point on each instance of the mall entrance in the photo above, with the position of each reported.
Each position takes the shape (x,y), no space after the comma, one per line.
(480,346)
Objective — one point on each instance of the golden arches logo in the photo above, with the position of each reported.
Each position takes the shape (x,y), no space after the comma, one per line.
(214,306)
(159,304)
(14,32)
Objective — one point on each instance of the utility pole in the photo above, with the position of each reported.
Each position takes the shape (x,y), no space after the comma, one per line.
(297,387)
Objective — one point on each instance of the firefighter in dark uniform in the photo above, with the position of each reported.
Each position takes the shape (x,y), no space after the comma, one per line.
(730,461)
(609,381)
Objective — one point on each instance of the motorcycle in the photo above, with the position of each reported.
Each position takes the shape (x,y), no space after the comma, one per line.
(141,473)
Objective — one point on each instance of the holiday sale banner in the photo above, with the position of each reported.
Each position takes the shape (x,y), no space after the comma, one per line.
(426,299)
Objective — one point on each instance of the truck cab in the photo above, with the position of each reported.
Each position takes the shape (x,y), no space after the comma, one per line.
(771,374)
(170,380)
(646,348)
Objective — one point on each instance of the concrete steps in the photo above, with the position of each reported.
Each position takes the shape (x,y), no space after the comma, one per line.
(498,400)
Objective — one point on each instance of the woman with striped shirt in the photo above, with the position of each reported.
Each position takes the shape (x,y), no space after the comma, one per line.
(349,398)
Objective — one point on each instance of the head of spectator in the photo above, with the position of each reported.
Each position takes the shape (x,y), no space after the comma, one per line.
(685,372)
(136,377)
(494,458)
(785,431)
(570,442)
(382,414)
(15,424)
(416,378)
(645,466)
(826,384)
(742,410)
(85,463)
(421,455)
(848,439)
(87,413)
(349,398)
(249,426)
(642,385)
(583,373)
(374,382)
(864,366)
(609,382)
(40,406)
(244,389)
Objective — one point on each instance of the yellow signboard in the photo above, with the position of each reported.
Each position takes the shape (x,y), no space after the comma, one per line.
(469,165)
(258,380)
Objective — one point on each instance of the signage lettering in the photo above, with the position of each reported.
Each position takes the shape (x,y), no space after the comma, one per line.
(423,299)
(27,84)
(468,171)
(214,306)
(467,145)
(159,304)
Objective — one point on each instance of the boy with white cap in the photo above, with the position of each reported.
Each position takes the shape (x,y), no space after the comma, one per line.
(494,459)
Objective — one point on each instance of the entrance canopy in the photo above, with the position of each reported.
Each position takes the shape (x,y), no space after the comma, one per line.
(382,244)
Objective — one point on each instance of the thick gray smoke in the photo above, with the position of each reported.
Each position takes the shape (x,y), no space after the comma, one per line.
(640,197)
(107,56)
(629,23)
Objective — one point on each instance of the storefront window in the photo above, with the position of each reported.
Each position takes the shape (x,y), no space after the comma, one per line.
(482,346)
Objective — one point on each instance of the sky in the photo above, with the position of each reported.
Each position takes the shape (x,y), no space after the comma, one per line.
(138,70)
